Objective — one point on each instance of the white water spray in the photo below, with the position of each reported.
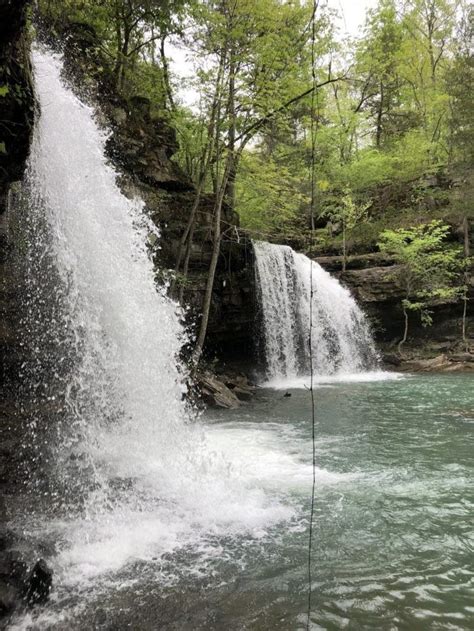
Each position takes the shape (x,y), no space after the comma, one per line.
(127,333)
(342,343)
(149,478)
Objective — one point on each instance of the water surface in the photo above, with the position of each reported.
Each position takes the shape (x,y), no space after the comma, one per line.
(394,541)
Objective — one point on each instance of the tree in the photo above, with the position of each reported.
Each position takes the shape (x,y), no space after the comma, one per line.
(378,60)
(349,213)
(429,268)
(261,51)
(460,87)
(128,29)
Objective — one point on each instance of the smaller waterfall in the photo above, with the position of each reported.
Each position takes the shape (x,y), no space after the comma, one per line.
(342,343)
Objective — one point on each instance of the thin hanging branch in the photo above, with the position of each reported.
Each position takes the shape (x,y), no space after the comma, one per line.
(251,129)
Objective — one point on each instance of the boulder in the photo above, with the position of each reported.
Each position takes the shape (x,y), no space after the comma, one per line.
(215,393)
(39,583)
(240,386)
(462,357)
(433,364)
(20,585)
(392,359)
(462,362)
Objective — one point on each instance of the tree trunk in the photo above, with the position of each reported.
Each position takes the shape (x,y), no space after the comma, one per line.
(222,190)
(405,332)
(166,75)
(344,248)
(464,318)
(187,256)
(466,279)
(185,235)
(123,58)
(185,242)
(118,35)
(212,270)
(378,133)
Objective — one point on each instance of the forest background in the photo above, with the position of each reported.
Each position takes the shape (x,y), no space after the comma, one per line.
(384,118)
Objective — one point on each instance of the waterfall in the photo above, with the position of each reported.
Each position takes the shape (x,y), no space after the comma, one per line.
(341,338)
(124,332)
(130,473)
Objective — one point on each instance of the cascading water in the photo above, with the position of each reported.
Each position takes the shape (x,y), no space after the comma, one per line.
(131,474)
(123,334)
(151,517)
(342,343)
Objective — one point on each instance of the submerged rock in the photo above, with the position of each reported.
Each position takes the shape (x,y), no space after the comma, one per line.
(21,586)
(39,583)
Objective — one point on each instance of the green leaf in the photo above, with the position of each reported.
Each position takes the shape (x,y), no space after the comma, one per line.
(4,90)
(3,149)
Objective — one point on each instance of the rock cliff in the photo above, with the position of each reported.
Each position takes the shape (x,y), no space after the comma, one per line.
(375,281)
(25,579)
(16,95)
(16,115)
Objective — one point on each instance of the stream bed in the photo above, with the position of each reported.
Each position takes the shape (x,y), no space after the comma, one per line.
(393,526)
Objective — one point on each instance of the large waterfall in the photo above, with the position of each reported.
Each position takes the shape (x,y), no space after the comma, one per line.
(341,339)
(131,473)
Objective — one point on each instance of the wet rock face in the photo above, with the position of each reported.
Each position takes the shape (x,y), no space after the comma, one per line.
(377,284)
(16,95)
(142,143)
(23,578)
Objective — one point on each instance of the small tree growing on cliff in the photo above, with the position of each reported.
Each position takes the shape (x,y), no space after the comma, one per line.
(429,268)
(350,214)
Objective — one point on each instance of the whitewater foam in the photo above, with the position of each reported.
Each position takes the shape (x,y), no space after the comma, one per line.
(325,381)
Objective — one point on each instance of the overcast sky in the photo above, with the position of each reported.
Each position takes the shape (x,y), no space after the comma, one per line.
(352,13)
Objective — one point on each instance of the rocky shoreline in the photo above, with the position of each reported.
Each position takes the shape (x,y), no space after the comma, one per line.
(444,363)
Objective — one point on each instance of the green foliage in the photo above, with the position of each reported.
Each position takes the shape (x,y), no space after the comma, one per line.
(128,32)
(460,87)
(393,122)
(430,268)
(349,212)
(269,199)
(401,111)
